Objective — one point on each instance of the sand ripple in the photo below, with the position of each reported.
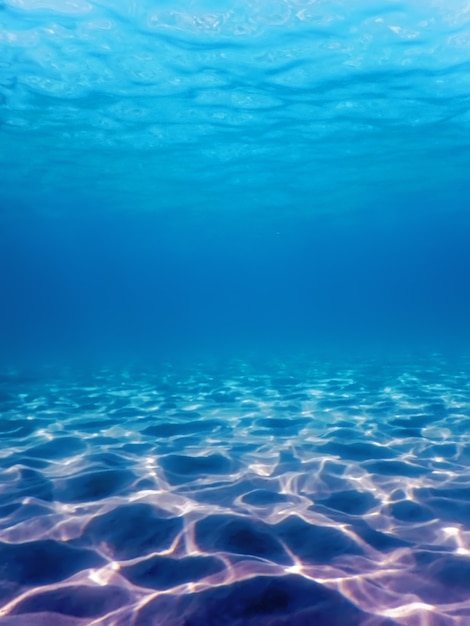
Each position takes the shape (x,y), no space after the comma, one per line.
(277,494)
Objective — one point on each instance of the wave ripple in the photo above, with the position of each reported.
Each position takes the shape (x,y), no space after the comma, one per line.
(287,103)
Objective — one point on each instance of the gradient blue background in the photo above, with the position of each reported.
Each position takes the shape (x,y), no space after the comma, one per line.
(127,287)
(245,176)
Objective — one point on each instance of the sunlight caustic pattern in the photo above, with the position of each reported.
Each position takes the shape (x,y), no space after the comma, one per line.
(292,493)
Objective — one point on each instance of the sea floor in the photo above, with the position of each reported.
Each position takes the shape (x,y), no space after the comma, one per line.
(283,493)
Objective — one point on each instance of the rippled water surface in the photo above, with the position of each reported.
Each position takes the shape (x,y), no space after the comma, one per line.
(267,104)
(283,493)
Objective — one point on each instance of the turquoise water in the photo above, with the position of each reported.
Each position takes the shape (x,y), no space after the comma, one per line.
(234,339)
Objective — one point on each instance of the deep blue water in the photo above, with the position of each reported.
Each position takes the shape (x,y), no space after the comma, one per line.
(234,313)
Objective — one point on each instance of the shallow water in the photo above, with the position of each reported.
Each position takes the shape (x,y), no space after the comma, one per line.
(234,304)
(290,493)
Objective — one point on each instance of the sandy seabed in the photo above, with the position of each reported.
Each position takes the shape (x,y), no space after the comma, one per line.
(273,494)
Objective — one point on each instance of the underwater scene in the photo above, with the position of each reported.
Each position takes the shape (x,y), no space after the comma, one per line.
(234,313)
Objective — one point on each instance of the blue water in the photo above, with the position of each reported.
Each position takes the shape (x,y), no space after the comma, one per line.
(234,337)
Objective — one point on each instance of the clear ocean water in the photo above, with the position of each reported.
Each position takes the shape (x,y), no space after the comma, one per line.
(234,313)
